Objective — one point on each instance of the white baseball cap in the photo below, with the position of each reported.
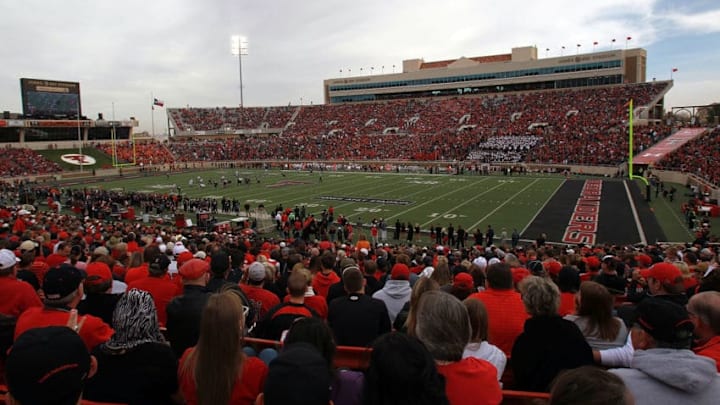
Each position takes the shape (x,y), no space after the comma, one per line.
(7,259)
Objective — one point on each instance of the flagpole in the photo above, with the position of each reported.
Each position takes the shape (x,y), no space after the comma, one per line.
(79,136)
(152,113)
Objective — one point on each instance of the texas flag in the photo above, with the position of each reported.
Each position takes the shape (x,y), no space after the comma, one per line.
(158,103)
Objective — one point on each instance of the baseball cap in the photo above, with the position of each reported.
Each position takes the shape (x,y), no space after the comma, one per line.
(7,259)
(160,262)
(184,257)
(101,250)
(194,269)
(664,320)
(663,272)
(47,366)
(298,375)
(97,273)
(400,272)
(200,255)
(256,272)
(464,281)
(28,245)
(61,281)
(364,251)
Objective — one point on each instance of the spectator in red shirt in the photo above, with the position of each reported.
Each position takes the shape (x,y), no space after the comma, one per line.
(216,370)
(327,276)
(506,312)
(63,288)
(162,289)
(261,299)
(17,296)
(704,310)
(280,317)
(443,325)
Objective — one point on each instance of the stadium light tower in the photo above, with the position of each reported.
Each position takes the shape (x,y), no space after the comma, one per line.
(239,47)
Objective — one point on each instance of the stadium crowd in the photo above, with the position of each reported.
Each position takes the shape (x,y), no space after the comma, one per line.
(446,323)
(19,162)
(695,157)
(143,153)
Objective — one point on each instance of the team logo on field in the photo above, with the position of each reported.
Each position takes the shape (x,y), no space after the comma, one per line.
(78,159)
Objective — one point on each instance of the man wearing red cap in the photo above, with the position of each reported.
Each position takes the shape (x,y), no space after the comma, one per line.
(665,282)
(396,291)
(99,300)
(184,311)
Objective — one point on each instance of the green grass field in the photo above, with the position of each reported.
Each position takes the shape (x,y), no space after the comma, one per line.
(470,201)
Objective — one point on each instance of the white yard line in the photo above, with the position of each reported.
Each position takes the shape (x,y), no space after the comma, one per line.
(502,205)
(641,230)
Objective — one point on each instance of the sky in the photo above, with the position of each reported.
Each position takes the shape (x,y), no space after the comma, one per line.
(124,53)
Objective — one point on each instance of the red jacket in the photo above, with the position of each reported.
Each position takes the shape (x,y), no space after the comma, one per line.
(711,349)
(93,332)
(471,381)
(17,296)
(321,282)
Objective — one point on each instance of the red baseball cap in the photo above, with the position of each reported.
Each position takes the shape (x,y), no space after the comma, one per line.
(464,281)
(194,269)
(400,272)
(184,257)
(97,273)
(663,272)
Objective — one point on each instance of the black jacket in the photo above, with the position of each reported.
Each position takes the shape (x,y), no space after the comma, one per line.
(547,346)
(183,318)
(357,319)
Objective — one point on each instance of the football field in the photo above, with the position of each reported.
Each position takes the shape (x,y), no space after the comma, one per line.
(506,203)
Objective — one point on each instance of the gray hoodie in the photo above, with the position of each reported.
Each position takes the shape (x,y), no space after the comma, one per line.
(395,294)
(669,376)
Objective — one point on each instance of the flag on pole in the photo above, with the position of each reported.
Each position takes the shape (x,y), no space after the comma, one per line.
(675,69)
(629,38)
(158,103)
(613,40)
(595,43)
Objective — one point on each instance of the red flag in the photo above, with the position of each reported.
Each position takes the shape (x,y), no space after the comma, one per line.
(613,39)
(595,43)
(675,69)
(629,38)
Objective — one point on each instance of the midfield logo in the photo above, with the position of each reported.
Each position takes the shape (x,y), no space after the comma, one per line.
(78,160)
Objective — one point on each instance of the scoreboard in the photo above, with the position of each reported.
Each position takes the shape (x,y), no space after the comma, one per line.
(50,98)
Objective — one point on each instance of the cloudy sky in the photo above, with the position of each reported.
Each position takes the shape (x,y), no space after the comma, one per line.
(179,51)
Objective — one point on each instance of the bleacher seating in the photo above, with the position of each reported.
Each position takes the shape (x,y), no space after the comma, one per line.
(695,157)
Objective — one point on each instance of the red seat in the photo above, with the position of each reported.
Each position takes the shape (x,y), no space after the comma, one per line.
(511,397)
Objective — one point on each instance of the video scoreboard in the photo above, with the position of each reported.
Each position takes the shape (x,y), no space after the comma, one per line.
(50,98)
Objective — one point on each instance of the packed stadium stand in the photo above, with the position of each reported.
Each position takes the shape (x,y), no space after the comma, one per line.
(696,158)
(585,126)
(18,162)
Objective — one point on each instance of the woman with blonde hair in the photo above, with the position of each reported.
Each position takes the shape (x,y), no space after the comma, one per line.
(442,274)
(216,371)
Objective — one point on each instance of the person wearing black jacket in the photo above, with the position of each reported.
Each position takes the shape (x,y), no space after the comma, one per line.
(357,319)
(184,311)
